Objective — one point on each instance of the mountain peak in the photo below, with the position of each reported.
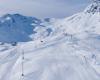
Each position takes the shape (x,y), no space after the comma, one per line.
(94,7)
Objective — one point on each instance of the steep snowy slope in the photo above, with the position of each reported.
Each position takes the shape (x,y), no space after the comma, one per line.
(86,22)
(71,51)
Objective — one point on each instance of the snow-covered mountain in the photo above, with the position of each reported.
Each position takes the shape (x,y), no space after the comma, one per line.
(61,49)
(19,28)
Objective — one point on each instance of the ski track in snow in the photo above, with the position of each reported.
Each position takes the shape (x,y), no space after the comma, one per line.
(56,60)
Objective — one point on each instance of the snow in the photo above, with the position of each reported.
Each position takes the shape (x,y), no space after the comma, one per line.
(57,59)
(61,49)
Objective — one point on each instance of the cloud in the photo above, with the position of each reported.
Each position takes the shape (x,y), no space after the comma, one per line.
(43,8)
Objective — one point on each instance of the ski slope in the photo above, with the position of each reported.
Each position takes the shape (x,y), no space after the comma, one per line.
(70,50)
(58,59)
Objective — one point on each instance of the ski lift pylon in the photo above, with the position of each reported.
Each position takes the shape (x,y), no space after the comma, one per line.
(22,65)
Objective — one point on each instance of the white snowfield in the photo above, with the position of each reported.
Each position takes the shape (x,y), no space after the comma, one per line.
(70,52)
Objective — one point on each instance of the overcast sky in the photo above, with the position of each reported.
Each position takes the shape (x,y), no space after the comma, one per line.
(43,8)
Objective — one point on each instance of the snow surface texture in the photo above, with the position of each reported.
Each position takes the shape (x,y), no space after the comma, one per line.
(66,49)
